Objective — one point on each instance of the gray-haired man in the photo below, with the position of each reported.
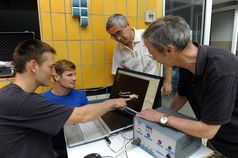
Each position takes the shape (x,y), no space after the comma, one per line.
(131,52)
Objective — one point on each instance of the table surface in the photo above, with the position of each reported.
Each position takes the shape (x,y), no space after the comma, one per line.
(120,147)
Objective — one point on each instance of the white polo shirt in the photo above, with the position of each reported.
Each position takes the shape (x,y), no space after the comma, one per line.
(138,59)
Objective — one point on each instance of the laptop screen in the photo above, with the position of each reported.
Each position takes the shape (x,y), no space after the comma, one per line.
(143,89)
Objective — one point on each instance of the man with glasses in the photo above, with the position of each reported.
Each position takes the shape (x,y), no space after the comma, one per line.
(130,52)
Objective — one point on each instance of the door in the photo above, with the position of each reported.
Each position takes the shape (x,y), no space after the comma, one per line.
(224,27)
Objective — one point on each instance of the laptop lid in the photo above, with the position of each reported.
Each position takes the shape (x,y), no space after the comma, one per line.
(143,89)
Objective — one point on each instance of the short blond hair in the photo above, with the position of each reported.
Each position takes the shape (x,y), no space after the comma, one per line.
(63,65)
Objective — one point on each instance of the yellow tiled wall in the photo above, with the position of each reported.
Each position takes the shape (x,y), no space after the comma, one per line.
(4,82)
(89,48)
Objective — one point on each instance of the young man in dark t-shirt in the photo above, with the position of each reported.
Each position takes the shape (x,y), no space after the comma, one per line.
(208,80)
(27,120)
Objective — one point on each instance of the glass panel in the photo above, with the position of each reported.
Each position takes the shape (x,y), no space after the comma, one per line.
(191,11)
(221,30)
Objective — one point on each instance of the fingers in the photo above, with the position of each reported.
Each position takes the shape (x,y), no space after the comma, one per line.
(143,115)
(166,92)
(139,114)
(121,102)
(127,99)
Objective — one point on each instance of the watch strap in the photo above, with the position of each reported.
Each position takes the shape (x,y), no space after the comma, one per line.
(167,116)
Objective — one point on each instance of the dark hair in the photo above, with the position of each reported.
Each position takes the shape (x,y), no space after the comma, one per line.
(116,19)
(62,65)
(168,30)
(27,50)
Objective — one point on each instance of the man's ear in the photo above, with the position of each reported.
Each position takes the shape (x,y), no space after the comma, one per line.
(169,49)
(32,66)
(56,77)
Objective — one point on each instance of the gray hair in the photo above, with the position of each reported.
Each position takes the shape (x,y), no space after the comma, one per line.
(168,30)
(116,19)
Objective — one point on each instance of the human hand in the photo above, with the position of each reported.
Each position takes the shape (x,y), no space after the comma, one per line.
(150,114)
(120,103)
(167,88)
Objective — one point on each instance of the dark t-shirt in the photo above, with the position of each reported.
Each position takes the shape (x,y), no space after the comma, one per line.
(27,123)
(213,96)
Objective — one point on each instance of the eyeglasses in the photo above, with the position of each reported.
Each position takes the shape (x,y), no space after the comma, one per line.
(118,34)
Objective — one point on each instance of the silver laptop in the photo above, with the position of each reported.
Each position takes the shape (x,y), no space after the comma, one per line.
(144,91)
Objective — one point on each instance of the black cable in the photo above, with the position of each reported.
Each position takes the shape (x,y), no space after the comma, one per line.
(136,141)
(108,140)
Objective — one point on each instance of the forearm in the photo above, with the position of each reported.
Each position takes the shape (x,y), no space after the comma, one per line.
(193,127)
(168,74)
(188,126)
(92,111)
(178,102)
(167,85)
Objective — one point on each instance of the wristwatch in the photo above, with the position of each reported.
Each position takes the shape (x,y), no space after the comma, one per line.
(164,120)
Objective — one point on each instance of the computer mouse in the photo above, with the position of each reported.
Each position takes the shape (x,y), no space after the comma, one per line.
(93,155)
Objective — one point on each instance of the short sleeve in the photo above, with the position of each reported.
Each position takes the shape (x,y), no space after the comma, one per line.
(40,114)
(219,100)
(115,61)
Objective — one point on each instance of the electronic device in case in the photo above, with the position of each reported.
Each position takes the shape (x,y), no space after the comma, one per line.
(6,71)
(164,142)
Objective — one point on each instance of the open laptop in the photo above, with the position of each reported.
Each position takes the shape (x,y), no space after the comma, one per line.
(144,90)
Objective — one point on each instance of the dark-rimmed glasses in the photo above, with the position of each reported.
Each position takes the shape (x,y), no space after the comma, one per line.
(118,34)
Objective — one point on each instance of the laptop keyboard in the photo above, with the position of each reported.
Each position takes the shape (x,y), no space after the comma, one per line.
(92,129)
(84,131)
(74,134)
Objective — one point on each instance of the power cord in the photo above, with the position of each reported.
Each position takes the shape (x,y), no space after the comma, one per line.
(113,150)
(136,141)
(126,147)
(125,136)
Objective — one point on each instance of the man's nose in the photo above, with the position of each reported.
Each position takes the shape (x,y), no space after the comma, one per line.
(74,77)
(119,37)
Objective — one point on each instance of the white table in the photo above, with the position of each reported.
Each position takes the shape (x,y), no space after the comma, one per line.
(118,141)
